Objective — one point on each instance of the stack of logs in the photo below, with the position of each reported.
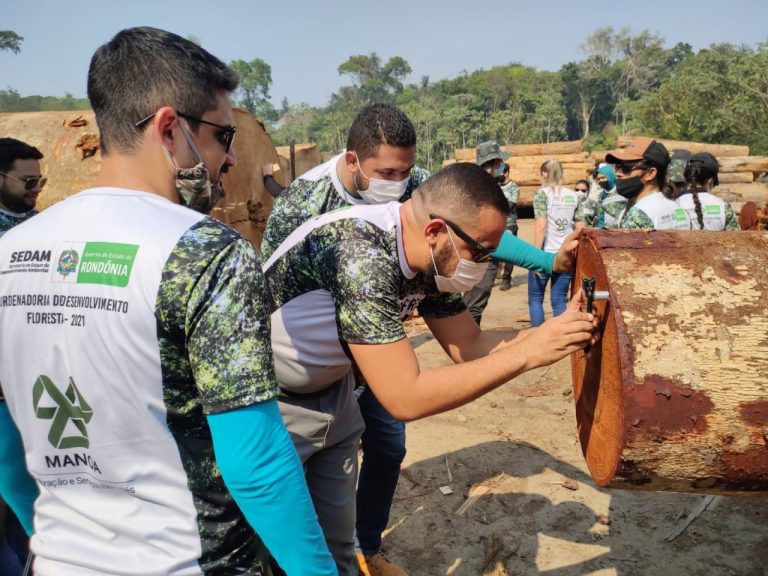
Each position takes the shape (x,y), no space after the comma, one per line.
(743,178)
(526,160)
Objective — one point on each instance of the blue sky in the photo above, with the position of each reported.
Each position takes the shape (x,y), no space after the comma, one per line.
(304,41)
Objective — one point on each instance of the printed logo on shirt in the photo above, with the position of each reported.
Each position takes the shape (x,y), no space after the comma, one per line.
(680,215)
(106,263)
(63,408)
(712,209)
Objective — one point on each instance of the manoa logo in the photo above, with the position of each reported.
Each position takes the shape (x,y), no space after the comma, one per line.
(561,224)
(70,406)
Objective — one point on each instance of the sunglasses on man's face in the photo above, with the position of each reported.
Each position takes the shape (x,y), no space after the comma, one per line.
(481,253)
(225,135)
(629,167)
(29,183)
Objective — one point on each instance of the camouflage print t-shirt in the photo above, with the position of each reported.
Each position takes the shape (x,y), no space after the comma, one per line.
(316,192)
(512,194)
(139,323)
(10,219)
(603,211)
(342,278)
(655,212)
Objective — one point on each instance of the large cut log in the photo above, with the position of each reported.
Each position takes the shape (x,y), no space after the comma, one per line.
(735,177)
(754,164)
(674,396)
(550,149)
(70,143)
(752,192)
(306,157)
(714,149)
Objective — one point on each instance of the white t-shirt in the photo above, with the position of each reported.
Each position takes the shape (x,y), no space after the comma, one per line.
(120,308)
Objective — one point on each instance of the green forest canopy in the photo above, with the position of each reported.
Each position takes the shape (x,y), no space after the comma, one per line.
(624,84)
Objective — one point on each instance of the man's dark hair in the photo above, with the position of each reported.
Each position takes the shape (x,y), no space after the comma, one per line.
(379,124)
(143,69)
(12,150)
(459,191)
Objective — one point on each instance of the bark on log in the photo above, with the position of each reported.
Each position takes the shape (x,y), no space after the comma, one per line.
(714,149)
(674,396)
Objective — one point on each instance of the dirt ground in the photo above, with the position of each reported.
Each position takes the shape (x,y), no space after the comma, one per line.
(523,501)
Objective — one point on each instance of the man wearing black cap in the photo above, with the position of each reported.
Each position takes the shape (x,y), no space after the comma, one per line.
(641,171)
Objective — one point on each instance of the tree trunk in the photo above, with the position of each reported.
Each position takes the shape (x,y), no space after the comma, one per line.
(674,396)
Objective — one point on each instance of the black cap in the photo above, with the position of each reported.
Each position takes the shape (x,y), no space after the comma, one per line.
(707,162)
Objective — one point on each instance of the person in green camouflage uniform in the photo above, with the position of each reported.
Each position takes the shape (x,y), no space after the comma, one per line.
(341,285)
(512,194)
(381,148)
(22,182)
(603,209)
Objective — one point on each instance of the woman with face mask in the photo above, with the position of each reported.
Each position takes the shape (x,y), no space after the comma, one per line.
(604,208)
(706,211)
(554,207)
(641,171)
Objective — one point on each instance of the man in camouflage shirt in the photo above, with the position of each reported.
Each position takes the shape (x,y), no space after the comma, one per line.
(141,379)
(341,285)
(377,166)
(22,182)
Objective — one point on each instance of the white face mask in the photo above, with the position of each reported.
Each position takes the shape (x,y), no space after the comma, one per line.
(465,277)
(381,191)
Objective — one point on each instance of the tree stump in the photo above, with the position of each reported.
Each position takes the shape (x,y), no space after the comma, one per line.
(674,397)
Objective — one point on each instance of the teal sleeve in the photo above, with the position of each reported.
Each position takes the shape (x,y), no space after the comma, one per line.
(513,250)
(17,487)
(263,473)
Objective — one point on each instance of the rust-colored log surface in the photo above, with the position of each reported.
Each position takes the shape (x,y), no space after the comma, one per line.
(675,395)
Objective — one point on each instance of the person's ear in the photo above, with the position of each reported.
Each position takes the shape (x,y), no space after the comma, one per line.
(432,230)
(163,124)
(650,174)
(351,160)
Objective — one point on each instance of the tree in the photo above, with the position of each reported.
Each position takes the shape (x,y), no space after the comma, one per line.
(9,40)
(253,92)
(374,82)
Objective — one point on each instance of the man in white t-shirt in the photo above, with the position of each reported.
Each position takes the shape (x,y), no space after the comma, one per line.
(141,377)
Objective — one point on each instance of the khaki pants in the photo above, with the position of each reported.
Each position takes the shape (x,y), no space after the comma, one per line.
(326,429)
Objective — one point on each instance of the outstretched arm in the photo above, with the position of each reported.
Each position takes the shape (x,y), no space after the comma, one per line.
(408,393)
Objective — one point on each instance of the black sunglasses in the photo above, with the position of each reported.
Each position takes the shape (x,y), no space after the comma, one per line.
(629,167)
(225,137)
(29,183)
(481,252)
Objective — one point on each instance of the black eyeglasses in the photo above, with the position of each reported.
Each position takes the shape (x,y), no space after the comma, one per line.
(29,183)
(629,167)
(481,252)
(225,136)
